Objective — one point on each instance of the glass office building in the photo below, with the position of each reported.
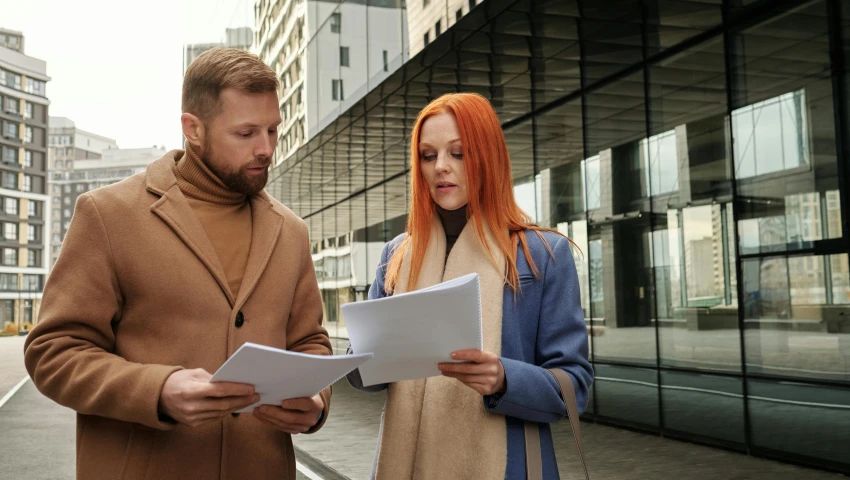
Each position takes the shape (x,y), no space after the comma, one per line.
(697,153)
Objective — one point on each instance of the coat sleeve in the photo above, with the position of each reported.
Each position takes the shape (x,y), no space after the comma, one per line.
(304,331)
(375,291)
(532,392)
(69,354)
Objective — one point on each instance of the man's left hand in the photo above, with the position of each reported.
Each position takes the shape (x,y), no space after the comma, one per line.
(293,416)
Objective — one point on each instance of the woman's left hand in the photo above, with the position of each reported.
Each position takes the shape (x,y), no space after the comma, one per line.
(486,375)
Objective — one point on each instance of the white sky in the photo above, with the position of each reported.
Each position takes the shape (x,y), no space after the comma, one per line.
(116,66)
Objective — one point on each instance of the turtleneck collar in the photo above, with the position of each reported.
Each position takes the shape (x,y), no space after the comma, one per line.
(197,181)
(453,220)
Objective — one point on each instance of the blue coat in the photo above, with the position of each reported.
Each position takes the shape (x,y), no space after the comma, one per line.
(542,327)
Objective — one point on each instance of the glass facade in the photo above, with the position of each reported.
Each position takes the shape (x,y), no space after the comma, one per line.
(697,154)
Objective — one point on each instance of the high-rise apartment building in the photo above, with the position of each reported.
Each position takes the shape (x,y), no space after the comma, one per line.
(240,38)
(115,165)
(23,172)
(68,145)
(328,55)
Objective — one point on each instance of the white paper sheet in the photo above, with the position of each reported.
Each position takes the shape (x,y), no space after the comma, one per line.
(278,375)
(410,333)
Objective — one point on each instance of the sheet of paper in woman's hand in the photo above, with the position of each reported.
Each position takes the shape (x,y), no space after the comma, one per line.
(278,375)
(410,333)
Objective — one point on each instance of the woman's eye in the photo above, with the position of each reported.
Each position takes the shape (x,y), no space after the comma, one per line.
(429,156)
(458,156)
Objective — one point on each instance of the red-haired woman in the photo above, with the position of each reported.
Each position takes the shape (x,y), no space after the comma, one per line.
(463,218)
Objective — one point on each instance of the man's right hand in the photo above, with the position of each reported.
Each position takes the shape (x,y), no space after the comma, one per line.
(189,398)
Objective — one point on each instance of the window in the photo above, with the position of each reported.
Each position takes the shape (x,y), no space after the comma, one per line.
(81,187)
(31,283)
(33,233)
(36,87)
(386,62)
(10,180)
(35,209)
(58,164)
(427,39)
(67,200)
(69,164)
(12,105)
(67,213)
(27,183)
(10,231)
(8,282)
(438,29)
(10,155)
(343,57)
(11,130)
(67,189)
(28,110)
(336,22)
(28,159)
(28,135)
(10,206)
(34,258)
(458,14)
(337,93)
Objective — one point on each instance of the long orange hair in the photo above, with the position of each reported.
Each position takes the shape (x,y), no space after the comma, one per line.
(488,181)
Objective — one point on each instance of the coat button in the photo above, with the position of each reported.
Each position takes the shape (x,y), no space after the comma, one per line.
(240,319)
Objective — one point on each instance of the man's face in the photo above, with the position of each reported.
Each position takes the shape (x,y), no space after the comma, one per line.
(238,143)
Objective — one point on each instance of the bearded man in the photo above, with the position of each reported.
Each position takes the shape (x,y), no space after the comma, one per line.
(165,275)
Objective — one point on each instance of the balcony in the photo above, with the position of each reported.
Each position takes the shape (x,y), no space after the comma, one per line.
(11,139)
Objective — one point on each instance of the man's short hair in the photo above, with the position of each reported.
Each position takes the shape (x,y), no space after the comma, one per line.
(220,68)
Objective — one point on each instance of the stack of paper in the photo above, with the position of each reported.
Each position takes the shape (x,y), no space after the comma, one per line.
(278,375)
(410,333)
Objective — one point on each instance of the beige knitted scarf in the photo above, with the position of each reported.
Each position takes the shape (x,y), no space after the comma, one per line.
(437,428)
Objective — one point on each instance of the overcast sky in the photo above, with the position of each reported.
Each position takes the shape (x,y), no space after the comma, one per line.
(116,66)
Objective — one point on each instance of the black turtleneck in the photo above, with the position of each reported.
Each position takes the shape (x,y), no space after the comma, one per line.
(453,223)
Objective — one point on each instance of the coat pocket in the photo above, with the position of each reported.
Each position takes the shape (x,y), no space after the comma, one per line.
(137,454)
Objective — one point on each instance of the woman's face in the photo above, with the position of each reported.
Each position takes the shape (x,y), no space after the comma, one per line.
(441,161)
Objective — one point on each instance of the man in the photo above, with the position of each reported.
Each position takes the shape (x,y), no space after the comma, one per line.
(163,276)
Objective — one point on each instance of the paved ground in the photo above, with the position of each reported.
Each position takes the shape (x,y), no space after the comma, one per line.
(11,363)
(38,442)
(347,444)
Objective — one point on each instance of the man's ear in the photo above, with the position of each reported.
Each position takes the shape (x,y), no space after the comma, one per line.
(193,130)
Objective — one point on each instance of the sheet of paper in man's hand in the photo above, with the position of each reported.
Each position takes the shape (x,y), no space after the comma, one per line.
(411,333)
(278,375)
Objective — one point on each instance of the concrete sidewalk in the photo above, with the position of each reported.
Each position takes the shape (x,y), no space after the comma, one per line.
(347,444)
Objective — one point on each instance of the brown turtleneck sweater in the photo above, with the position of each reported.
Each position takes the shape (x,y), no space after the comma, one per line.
(453,223)
(224,214)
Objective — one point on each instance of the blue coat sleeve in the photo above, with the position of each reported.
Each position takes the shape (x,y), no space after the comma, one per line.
(532,393)
(375,291)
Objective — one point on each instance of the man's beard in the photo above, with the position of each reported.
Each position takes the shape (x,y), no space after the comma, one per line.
(238,181)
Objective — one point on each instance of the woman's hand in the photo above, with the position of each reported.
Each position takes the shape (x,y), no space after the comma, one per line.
(486,375)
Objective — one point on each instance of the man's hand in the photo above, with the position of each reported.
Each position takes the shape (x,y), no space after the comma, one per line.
(189,398)
(486,375)
(296,415)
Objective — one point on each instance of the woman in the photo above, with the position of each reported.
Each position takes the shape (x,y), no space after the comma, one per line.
(468,423)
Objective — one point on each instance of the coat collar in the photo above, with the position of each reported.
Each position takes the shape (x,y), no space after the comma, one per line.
(173,208)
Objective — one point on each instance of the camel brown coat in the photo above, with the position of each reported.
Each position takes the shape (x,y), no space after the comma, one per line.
(138,293)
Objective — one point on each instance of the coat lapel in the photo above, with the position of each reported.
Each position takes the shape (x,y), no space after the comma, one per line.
(267,223)
(174,210)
